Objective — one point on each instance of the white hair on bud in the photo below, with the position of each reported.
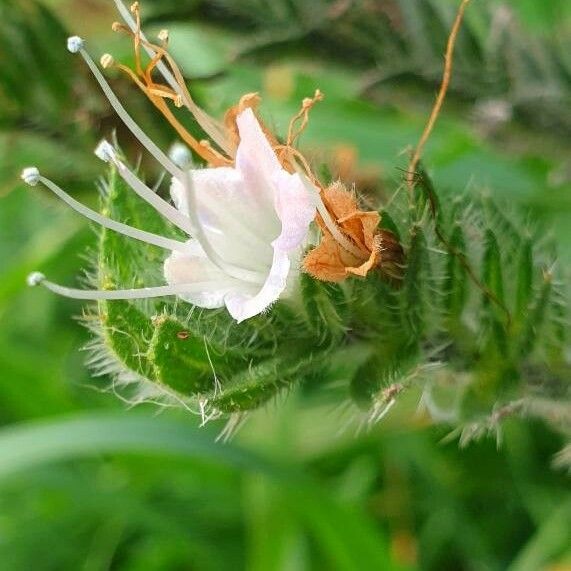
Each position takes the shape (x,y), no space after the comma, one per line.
(75,44)
(31,176)
(35,279)
(105,151)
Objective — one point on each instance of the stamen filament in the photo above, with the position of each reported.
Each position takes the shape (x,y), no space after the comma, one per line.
(210,125)
(129,20)
(156,96)
(135,11)
(106,152)
(129,122)
(142,235)
(190,225)
(37,278)
(303,116)
(176,81)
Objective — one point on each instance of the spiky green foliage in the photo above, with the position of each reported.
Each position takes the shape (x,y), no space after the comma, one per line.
(394,42)
(175,353)
(478,320)
(449,509)
(478,294)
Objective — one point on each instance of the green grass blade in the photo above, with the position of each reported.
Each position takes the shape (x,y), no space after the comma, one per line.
(550,541)
(347,538)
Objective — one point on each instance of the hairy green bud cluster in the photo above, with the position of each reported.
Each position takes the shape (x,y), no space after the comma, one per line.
(476,329)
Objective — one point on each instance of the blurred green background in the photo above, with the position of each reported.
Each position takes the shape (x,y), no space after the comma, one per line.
(86,483)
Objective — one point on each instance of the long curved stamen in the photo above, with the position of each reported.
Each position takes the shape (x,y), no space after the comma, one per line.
(210,125)
(32,177)
(339,237)
(107,153)
(189,225)
(156,94)
(37,278)
(175,80)
(75,45)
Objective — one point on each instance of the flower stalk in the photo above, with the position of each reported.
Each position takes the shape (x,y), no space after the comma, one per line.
(272,278)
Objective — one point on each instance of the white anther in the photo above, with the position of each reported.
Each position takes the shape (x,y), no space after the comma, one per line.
(35,279)
(105,151)
(180,155)
(75,44)
(31,176)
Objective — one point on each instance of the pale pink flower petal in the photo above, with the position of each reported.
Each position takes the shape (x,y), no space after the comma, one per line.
(255,216)
(194,266)
(233,224)
(295,209)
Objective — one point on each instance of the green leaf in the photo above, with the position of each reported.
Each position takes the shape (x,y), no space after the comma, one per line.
(388,223)
(258,384)
(325,307)
(524,280)
(558,333)
(492,267)
(348,548)
(551,540)
(536,317)
(456,279)
(379,373)
(415,285)
(493,298)
(125,331)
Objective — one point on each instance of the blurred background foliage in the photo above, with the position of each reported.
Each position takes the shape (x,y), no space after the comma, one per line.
(294,490)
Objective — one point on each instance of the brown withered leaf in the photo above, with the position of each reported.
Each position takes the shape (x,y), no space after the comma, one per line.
(329,261)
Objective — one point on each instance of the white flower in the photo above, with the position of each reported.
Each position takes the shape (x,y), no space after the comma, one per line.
(247,222)
(254,216)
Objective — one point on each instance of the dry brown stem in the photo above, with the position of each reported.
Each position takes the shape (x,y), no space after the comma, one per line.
(446,76)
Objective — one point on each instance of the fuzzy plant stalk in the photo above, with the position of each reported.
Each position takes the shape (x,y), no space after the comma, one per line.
(256,276)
